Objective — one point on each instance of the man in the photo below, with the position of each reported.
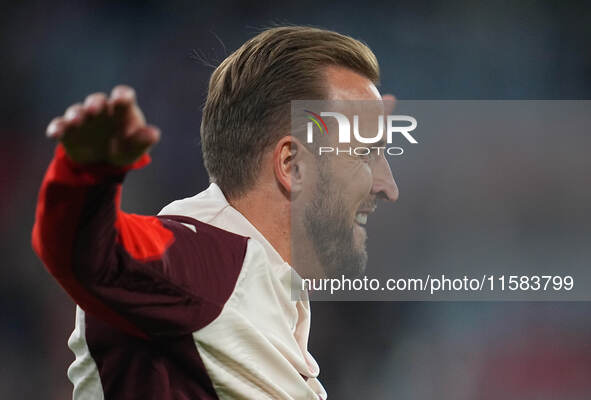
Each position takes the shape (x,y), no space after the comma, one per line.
(195,303)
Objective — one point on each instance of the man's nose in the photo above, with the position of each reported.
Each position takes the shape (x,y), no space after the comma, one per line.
(384,185)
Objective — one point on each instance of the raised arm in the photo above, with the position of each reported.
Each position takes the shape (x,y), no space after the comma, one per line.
(146,275)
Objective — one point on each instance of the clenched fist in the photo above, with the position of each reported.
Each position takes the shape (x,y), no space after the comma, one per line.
(105,130)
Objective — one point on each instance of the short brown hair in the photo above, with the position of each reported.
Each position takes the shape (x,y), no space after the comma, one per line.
(247,106)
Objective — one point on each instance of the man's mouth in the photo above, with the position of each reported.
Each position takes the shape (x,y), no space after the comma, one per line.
(361,218)
(366,208)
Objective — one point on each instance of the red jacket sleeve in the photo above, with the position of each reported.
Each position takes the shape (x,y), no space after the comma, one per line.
(147,275)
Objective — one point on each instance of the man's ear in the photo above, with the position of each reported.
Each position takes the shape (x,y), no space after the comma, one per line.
(288,165)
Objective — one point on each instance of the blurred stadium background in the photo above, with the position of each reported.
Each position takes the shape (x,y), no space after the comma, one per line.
(54,53)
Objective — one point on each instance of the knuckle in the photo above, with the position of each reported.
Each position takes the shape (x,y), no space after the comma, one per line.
(73,109)
(74,114)
(123,92)
(95,98)
(55,126)
(56,121)
(95,103)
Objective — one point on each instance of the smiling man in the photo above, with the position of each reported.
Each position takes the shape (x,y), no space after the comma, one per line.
(195,303)
(342,186)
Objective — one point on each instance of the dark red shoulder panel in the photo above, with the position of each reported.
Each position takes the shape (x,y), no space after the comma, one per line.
(145,275)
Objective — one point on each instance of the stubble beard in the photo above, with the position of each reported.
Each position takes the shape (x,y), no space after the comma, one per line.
(327,224)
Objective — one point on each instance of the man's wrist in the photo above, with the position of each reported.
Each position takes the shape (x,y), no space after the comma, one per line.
(95,173)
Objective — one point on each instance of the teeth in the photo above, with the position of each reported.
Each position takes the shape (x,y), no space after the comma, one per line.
(360,218)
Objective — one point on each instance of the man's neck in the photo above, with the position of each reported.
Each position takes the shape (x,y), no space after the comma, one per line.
(269,212)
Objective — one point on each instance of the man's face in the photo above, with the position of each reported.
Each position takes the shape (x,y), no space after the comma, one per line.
(348,186)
